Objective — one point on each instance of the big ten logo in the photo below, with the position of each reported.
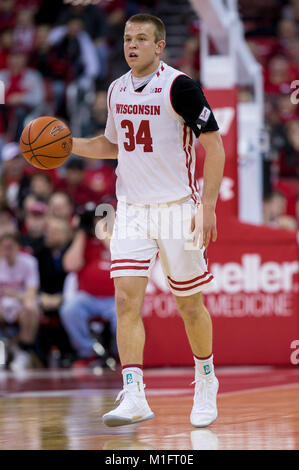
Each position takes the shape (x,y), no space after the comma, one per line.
(294,96)
(2,353)
(2,92)
(294,358)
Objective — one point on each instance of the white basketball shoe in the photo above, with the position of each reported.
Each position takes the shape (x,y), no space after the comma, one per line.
(133,408)
(204,411)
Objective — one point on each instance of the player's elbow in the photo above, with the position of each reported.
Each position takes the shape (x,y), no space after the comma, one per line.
(212,143)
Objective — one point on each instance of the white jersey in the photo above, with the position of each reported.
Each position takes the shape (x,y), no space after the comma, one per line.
(156,159)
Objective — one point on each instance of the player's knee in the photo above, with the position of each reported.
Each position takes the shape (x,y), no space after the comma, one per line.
(126,305)
(191,308)
(122,302)
(190,312)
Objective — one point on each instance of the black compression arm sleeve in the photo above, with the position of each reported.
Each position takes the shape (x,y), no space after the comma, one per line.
(189,101)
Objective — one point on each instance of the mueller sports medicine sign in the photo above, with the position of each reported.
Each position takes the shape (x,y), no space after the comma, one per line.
(252,275)
(253,303)
(253,288)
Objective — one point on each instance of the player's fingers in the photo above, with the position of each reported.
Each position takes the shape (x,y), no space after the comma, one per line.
(197,235)
(214,234)
(207,238)
(192,227)
(202,239)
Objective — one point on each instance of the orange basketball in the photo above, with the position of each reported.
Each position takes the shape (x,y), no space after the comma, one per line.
(46,142)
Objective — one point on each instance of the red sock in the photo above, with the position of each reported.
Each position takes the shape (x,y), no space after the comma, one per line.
(129,366)
(203,358)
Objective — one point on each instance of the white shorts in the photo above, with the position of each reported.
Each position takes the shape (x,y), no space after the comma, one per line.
(140,233)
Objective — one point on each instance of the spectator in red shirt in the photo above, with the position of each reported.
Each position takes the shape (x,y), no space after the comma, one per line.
(56,71)
(289,156)
(90,259)
(73,183)
(278,75)
(286,109)
(263,48)
(6,42)
(24,92)
(100,177)
(293,55)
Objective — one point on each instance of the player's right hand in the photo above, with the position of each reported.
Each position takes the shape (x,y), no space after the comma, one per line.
(203,225)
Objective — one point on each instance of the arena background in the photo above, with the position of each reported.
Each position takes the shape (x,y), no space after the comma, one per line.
(58,58)
(67,55)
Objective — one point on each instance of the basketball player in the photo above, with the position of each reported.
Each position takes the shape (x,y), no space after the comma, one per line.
(155,115)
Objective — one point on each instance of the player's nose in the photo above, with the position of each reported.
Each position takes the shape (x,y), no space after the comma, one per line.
(133,44)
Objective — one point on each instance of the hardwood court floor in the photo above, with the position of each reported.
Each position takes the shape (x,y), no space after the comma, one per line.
(258,409)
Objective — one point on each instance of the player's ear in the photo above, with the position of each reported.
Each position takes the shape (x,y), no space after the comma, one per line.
(160,45)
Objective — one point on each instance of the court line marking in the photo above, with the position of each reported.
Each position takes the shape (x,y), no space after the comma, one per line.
(260,389)
(167,371)
(90,392)
(106,393)
(220,370)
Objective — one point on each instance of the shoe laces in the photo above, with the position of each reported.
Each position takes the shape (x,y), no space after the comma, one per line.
(123,392)
(201,392)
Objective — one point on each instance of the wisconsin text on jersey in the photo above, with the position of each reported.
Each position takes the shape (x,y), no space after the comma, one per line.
(152,110)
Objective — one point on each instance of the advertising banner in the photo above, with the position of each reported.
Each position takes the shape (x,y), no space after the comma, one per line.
(254,305)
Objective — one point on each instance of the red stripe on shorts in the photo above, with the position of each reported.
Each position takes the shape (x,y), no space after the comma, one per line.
(129,267)
(130,261)
(192,287)
(188,282)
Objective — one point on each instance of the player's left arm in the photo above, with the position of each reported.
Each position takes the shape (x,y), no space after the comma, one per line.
(205,219)
(190,103)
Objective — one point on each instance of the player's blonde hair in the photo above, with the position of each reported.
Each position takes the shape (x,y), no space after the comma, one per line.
(160,32)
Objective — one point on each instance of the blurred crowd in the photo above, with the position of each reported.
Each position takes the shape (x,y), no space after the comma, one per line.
(56,296)
(272,33)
